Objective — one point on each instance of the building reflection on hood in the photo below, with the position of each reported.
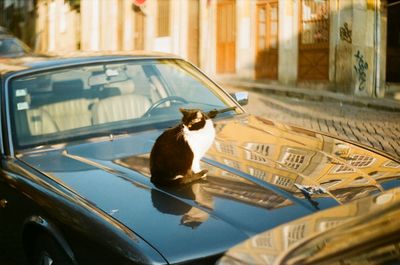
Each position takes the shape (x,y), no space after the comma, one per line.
(362,232)
(270,165)
(219,183)
(285,155)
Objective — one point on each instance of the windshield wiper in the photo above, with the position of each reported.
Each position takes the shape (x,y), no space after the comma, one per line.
(213,113)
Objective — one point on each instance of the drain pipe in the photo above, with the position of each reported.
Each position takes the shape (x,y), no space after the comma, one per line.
(377,50)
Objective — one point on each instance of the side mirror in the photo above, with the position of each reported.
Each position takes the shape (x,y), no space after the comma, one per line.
(241,97)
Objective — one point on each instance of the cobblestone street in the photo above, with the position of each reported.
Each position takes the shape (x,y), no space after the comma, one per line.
(377,128)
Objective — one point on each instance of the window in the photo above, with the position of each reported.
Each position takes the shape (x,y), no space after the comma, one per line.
(163,18)
(258,173)
(293,161)
(315,23)
(391,164)
(360,161)
(232,163)
(356,160)
(329,224)
(263,240)
(257,152)
(342,169)
(225,148)
(293,233)
(283,181)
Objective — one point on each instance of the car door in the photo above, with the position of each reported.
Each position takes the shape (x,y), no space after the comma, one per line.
(12,211)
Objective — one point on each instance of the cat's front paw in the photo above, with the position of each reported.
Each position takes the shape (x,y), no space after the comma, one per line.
(203,174)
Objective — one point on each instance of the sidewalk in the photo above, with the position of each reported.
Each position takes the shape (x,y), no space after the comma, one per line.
(388,103)
(372,122)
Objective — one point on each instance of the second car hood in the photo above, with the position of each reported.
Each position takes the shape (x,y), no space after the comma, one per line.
(261,174)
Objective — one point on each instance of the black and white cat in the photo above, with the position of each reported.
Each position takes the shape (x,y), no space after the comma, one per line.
(175,156)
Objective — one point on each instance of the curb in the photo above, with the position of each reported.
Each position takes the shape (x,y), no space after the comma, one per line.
(315,95)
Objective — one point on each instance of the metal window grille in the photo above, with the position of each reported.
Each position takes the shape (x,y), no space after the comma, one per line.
(263,240)
(356,160)
(258,173)
(282,181)
(294,233)
(225,148)
(232,163)
(315,21)
(342,169)
(361,161)
(392,164)
(293,161)
(257,152)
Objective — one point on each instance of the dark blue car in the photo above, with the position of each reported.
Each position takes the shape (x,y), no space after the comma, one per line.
(75,181)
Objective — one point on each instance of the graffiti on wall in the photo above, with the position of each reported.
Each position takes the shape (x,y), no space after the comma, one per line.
(345,33)
(361,68)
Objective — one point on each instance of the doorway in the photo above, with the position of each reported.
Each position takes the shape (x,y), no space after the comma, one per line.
(139,28)
(226,36)
(267,40)
(314,40)
(393,42)
(193,32)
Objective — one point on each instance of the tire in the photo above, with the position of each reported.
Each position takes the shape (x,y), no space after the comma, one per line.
(46,251)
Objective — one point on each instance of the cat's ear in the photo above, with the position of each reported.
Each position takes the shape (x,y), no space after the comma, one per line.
(183,111)
(199,114)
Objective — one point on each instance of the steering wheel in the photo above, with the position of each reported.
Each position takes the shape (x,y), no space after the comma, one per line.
(162,101)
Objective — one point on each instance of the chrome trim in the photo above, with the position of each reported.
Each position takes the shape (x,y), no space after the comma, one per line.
(8,121)
(216,84)
(2,149)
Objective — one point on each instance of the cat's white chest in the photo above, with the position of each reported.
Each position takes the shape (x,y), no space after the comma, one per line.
(200,141)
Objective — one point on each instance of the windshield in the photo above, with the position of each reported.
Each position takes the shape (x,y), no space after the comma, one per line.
(112,98)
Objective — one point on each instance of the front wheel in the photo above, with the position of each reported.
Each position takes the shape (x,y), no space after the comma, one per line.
(48,252)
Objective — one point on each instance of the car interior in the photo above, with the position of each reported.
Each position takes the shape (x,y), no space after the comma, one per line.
(60,101)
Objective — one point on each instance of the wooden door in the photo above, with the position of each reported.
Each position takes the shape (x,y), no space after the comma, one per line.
(314,40)
(267,40)
(139,29)
(226,36)
(193,32)
(393,42)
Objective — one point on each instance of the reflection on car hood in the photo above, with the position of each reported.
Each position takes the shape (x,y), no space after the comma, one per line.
(261,174)
(362,232)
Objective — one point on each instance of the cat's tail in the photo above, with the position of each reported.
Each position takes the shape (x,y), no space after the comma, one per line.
(213,113)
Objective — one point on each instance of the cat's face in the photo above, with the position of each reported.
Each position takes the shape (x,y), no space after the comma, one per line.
(193,119)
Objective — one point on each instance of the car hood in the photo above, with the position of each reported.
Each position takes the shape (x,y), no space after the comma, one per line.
(261,174)
(365,231)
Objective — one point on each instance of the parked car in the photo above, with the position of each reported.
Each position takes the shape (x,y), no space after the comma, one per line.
(75,181)
(11,46)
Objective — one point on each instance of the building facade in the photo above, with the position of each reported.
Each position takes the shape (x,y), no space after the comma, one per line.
(349,46)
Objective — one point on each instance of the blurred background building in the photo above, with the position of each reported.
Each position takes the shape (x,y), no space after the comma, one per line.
(348,46)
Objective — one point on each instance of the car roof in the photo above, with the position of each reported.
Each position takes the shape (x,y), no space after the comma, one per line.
(45,61)
(4,35)
(3,30)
